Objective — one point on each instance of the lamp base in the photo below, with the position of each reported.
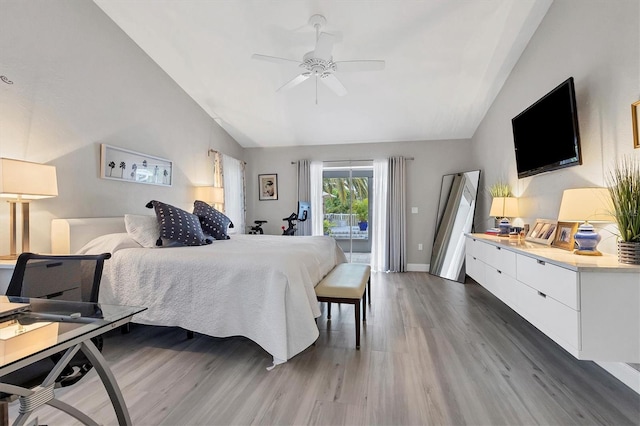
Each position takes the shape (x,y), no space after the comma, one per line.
(587,240)
(9,257)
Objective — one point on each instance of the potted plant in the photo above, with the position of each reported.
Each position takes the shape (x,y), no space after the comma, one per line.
(361,209)
(499,189)
(624,186)
(326,227)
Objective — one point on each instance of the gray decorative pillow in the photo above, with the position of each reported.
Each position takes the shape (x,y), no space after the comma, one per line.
(178,225)
(213,222)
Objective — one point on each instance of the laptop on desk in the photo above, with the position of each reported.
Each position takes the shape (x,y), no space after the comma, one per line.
(9,308)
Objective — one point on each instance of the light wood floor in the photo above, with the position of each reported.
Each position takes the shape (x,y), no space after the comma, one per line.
(433,352)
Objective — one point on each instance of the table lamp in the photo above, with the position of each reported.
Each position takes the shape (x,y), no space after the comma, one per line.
(21,182)
(586,205)
(211,195)
(504,207)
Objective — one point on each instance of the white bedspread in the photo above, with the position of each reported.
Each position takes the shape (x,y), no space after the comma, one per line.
(257,286)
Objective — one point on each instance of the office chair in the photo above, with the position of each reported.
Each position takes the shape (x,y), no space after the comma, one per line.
(64,277)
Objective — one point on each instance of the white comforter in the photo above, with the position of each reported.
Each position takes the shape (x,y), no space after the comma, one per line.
(257,286)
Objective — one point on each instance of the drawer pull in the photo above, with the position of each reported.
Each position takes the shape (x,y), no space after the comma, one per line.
(541,262)
(474,258)
(499,271)
(541,294)
(498,248)
(53,265)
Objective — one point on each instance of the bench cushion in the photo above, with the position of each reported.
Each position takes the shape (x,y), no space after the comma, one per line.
(345,281)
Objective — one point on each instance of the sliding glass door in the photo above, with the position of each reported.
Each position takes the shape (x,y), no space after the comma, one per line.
(347,200)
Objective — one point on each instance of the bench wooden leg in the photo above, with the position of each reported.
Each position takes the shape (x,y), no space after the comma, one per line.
(357,310)
(364,306)
(328,310)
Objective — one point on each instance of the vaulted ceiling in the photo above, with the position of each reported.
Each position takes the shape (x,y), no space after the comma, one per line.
(446,60)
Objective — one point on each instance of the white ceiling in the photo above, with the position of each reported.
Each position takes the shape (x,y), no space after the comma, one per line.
(446,60)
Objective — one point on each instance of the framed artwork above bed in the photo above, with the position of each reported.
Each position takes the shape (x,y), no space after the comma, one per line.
(131,166)
(268,185)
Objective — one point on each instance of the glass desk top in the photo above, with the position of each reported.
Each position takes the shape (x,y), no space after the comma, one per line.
(50,326)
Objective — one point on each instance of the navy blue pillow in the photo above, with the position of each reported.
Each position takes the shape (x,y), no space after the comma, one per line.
(178,225)
(213,222)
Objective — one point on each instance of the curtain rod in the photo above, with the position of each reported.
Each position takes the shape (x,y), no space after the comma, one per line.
(346,161)
(213,151)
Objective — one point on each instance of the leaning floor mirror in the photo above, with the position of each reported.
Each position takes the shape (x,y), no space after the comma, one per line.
(456,209)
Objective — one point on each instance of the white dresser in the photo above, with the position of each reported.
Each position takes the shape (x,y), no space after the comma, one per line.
(588,305)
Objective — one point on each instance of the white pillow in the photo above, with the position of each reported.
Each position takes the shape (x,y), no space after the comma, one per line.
(109,243)
(142,228)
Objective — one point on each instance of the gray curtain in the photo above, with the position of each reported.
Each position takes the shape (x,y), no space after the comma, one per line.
(304,194)
(397,215)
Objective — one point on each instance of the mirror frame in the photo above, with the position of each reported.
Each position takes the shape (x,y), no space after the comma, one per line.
(452,190)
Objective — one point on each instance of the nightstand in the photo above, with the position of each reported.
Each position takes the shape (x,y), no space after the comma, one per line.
(6,271)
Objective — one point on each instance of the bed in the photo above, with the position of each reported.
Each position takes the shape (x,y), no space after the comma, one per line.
(257,286)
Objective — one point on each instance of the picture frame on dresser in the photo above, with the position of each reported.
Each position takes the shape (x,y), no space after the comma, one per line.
(564,238)
(542,232)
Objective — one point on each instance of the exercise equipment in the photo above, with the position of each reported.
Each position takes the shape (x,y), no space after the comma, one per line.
(257,228)
(303,213)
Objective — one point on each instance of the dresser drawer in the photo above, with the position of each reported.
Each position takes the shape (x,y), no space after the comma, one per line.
(558,283)
(475,268)
(502,286)
(476,248)
(501,259)
(558,321)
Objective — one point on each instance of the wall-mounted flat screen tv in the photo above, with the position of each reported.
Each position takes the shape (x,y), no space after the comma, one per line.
(546,134)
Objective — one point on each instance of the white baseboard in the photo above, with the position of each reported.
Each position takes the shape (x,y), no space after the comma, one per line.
(623,372)
(417,267)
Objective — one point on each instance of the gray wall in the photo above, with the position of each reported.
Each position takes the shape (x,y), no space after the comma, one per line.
(80,81)
(432,160)
(596,42)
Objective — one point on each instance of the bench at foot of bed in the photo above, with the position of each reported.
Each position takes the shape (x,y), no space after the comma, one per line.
(346,283)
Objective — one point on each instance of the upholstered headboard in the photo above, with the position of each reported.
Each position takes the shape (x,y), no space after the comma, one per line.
(69,235)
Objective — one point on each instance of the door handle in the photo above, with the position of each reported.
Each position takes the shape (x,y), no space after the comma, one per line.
(541,294)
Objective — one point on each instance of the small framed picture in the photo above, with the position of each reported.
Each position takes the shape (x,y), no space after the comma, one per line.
(635,122)
(564,235)
(543,231)
(268,186)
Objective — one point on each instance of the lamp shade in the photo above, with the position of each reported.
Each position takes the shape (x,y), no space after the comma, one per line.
(504,207)
(28,181)
(210,194)
(586,204)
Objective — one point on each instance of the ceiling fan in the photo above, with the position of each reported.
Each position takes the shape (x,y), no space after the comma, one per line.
(319,62)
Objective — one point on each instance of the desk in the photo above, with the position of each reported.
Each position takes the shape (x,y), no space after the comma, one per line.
(69,333)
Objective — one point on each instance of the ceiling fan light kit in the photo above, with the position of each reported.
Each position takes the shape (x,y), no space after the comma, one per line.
(319,62)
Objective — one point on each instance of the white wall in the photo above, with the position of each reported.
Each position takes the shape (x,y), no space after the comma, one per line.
(598,43)
(80,81)
(432,159)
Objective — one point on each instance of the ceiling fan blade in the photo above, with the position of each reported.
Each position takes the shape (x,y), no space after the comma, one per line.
(324,46)
(273,59)
(365,65)
(334,84)
(295,81)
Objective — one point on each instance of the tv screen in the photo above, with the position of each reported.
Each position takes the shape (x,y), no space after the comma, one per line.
(546,134)
(303,210)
